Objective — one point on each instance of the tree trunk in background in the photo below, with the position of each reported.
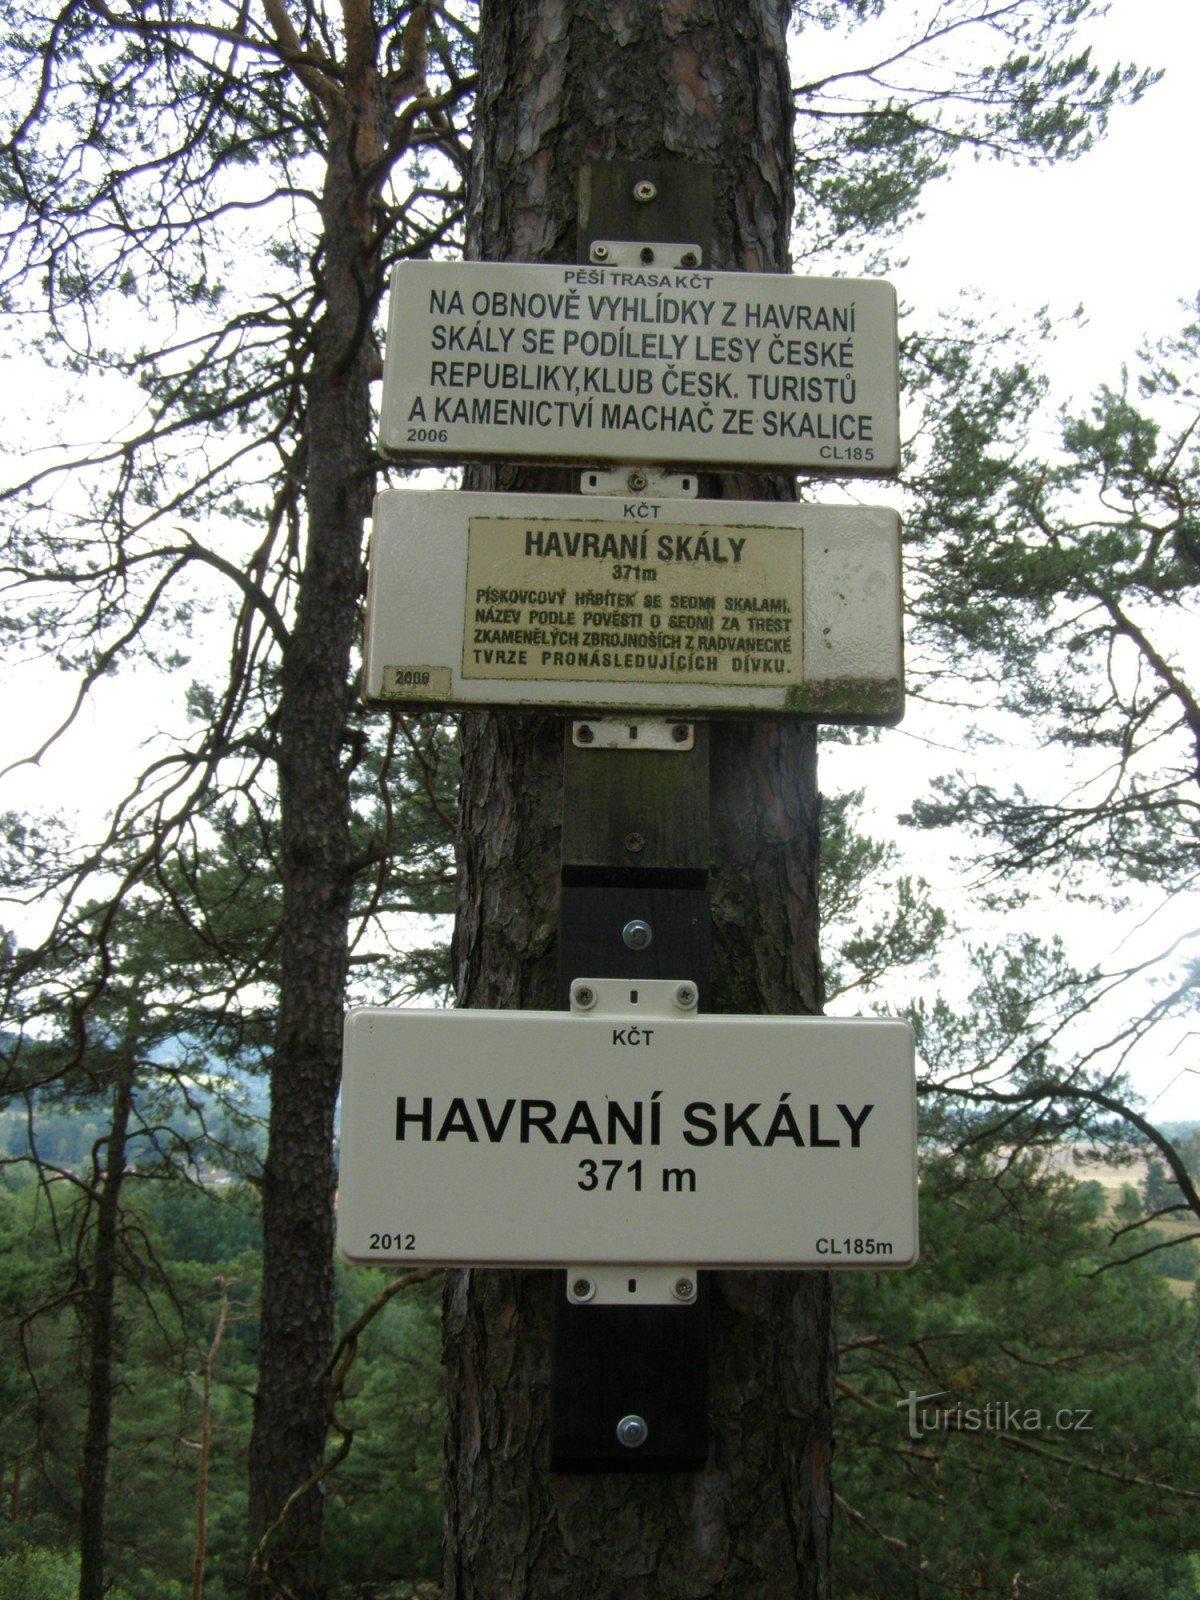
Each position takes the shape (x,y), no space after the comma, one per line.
(101,1336)
(565,82)
(314,778)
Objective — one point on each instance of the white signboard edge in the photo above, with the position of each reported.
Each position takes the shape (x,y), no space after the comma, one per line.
(731,444)
(853,651)
(361,1119)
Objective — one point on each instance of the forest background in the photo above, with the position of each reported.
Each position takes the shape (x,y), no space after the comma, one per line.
(1052,588)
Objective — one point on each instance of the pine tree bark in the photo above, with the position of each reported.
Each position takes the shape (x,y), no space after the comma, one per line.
(296,1332)
(565,82)
(101,1334)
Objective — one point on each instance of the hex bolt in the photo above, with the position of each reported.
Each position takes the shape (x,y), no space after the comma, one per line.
(684,1288)
(644,191)
(635,843)
(680,732)
(584,996)
(685,996)
(584,734)
(600,252)
(582,1289)
(632,1431)
(637,481)
(638,935)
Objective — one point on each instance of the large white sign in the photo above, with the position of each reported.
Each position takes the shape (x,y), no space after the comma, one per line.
(574,601)
(552,1139)
(515,362)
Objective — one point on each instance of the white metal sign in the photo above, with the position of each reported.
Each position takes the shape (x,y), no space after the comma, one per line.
(625,604)
(509,361)
(627,1135)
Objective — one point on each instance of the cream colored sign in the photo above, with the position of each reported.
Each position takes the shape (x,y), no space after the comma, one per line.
(516,361)
(604,603)
(583,599)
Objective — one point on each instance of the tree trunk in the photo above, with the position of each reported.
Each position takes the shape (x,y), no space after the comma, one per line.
(101,1304)
(564,82)
(203,1459)
(314,771)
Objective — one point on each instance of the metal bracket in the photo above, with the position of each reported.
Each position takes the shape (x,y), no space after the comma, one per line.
(631,1286)
(649,998)
(632,253)
(651,483)
(647,733)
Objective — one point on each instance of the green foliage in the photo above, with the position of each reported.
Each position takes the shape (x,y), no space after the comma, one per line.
(166,1313)
(875,920)
(1068,588)
(384,1512)
(384,1500)
(33,1573)
(1009,1419)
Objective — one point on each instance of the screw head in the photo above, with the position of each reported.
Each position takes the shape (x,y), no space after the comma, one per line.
(689,258)
(635,843)
(600,252)
(685,996)
(632,1431)
(684,1288)
(584,733)
(680,732)
(644,191)
(582,1289)
(637,481)
(584,996)
(638,935)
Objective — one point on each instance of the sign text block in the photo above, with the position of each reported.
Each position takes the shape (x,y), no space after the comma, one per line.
(664,605)
(548,1139)
(518,362)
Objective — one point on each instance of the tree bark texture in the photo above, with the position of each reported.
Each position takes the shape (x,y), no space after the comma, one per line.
(314,771)
(101,1335)
(563,83)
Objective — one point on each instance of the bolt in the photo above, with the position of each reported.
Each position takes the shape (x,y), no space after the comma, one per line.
(637,481)
(583,996)
(637,934)
(685,996)
(635,843)
(680,733)
(584,734)
(647,255)
(582,1289)
(684,1288)
(689,258)
(632,1431)
(644,191)
(600,252)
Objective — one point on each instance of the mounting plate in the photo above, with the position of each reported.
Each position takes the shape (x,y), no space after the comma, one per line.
(625,733)
(634,253)
(654,483)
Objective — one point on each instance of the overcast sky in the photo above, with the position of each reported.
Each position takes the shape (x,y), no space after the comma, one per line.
(1118,232)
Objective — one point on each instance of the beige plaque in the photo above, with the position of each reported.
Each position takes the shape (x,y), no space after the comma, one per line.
(588,600)
(415,683)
